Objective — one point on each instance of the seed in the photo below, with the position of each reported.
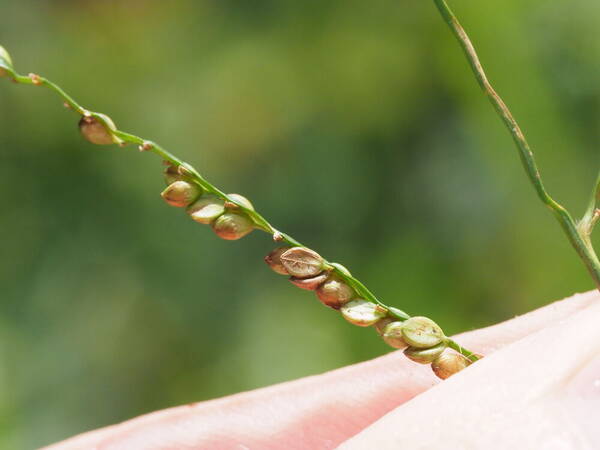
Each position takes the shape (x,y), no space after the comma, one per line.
(301,262)
(232,226)
(309,284)
(424,355)
(98,132)
(5,61)
(381,324)
(206,209)
(240,199)
(185,170)
(422,332)
(181,193)
(392,335)
(342,269)
(273,259)
(362,313)
(447,364)
(172,175)
(335,293)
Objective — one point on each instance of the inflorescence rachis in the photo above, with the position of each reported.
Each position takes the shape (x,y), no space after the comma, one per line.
(232,217)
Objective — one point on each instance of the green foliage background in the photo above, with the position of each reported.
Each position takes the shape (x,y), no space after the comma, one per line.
(355,126)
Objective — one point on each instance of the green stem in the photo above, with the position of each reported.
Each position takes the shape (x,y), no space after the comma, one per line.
(591,216)
(593,210)
(260,222)
(579,241)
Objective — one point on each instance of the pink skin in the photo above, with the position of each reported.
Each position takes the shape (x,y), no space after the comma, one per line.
(538,387)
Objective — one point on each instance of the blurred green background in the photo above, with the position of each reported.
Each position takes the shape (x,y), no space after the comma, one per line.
(354,126)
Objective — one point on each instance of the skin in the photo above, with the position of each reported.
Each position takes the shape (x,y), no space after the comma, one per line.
(538,387)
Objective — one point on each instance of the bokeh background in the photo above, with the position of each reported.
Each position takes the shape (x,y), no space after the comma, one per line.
(354,126)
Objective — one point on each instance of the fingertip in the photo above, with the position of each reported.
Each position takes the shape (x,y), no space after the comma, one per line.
(489,339)
(532,393)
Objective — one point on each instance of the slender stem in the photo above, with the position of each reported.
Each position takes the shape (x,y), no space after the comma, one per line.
(593,210)
(591,216)
(581,243)
(259,221)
